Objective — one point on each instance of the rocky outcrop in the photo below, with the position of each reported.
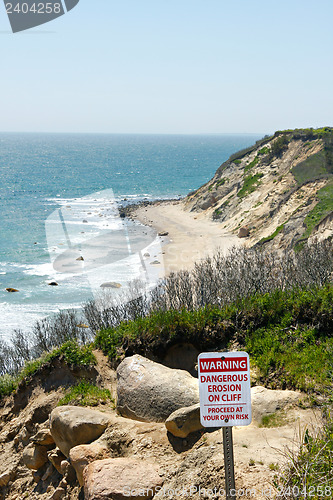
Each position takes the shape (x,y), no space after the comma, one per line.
(150,392)
(121,478)
(184,421)
(268,401)
(34,456)
(82,455)
(71,426)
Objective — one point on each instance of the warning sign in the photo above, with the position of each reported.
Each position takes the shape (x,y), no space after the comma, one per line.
(224,388)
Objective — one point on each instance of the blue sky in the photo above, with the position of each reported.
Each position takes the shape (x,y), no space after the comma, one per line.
(168,66)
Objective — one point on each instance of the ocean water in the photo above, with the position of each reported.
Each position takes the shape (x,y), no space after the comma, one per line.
(59,198)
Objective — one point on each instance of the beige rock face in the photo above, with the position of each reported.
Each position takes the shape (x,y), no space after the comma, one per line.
(34,456)
(184,421)
(266,401)
(82,455)
(71,426)
(150,392)
(120,478)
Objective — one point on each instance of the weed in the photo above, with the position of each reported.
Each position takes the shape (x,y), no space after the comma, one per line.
(274,420)
(321,210)
(251,182)
(272,236)
(251,165)
(310,468)
(86,394)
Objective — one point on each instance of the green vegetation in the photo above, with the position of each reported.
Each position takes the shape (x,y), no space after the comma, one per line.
(264,151)
(251,182)
(221,182)
(86,394)
(70,352)
(237,162)
(251,165)
(310,469)
(8,384)
(323,208)
(288,335)
(272,236)
(279,146)
(310,169)
(277,419)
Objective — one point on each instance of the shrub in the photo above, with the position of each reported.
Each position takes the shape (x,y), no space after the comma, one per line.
(279,146)
(8,384)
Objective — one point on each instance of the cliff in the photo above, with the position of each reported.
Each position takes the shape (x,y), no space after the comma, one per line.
(280,191)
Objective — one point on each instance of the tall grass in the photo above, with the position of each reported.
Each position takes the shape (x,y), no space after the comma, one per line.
(309,471)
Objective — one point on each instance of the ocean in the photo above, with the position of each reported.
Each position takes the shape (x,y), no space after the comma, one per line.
(59,221)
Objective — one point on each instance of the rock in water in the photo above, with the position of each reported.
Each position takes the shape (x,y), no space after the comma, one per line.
(71,426)
(53,283)
(184,421)
(111,284)
(121,478)
(11,290)
(150,392)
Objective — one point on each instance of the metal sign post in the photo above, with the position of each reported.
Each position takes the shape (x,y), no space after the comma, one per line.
(228,452)
(225,400)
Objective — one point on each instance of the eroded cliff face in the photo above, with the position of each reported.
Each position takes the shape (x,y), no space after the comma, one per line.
(281,190)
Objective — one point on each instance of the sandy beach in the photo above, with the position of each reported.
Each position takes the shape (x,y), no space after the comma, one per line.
(191,236)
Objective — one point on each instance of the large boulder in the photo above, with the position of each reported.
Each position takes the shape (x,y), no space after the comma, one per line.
(34,456)
(82,455)
(268,401)
(150,392)
(71,425)
(243,232)
(184,421)
(121,478)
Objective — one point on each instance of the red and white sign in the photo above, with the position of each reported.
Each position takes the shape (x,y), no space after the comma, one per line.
(224,389)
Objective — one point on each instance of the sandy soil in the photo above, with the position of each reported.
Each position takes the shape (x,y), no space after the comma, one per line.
(191,237)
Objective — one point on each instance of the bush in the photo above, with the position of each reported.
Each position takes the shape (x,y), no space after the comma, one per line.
(8,384)
(279,146)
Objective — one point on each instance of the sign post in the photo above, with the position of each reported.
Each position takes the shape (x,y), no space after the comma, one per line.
(225,400)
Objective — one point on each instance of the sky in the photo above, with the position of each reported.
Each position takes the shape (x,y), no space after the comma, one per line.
(170,66)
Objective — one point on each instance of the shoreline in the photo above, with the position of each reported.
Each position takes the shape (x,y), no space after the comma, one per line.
(190,237)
